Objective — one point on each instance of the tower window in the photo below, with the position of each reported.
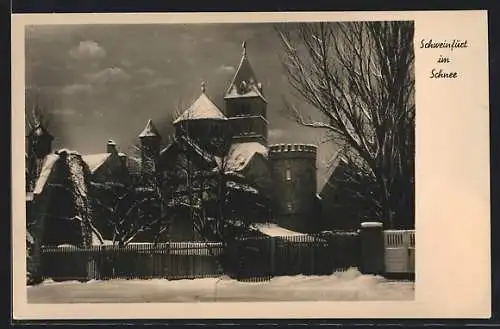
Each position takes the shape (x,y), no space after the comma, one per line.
(289,206)
(288,174)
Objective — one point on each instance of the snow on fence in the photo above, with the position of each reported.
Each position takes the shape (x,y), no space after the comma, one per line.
(399,251)
(175,260)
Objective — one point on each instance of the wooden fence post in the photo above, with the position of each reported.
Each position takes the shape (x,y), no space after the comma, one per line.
(372,248)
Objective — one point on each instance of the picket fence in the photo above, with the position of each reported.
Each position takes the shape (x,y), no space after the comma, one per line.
(249,259)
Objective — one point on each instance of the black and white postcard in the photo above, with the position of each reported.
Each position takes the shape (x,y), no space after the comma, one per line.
(251,165)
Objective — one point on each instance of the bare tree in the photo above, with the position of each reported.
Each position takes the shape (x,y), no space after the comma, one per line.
(201,182)
(360,77)
(128,211)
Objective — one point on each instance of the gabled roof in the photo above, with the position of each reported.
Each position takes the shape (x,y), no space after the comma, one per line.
(95,161)
(342,158)
(244,83)
(331,167)
(240,154)
(48,165)
(149,131)
(202,108)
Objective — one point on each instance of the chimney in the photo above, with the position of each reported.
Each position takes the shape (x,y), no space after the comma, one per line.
(111,147)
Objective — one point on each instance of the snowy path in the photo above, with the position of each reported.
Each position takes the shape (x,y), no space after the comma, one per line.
(346,286)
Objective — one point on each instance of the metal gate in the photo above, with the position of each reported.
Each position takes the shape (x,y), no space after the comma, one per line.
(399,251)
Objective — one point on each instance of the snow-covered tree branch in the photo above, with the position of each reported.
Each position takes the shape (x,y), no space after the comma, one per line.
(359,76)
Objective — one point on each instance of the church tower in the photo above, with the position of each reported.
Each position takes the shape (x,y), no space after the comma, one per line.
(39,142)
(150,153)
(202,122)
(246,106)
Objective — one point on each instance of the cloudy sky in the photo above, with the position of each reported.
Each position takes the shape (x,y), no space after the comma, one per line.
(100,82)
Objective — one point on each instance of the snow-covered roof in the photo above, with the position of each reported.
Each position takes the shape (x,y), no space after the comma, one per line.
(48,164)
(252,91)
(274,230)
(244,83)
(331,167)
(241,187)
(94,161)
(149,131)
(202,108)
(240,155)
(371,224)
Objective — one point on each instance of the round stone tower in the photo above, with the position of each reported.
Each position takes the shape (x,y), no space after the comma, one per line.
(293,170)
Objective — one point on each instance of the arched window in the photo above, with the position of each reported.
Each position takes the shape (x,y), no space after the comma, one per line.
(288,174)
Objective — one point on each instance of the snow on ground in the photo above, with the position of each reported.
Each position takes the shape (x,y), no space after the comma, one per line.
(345,286)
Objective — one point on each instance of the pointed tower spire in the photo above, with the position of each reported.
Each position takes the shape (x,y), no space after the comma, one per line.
(149,131)
(245,103)
(150,153)
(203,86)
(244,82)
(244,46)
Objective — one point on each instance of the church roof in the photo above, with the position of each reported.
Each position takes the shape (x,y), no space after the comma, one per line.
(202,108)
(149,131)
(244,83)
